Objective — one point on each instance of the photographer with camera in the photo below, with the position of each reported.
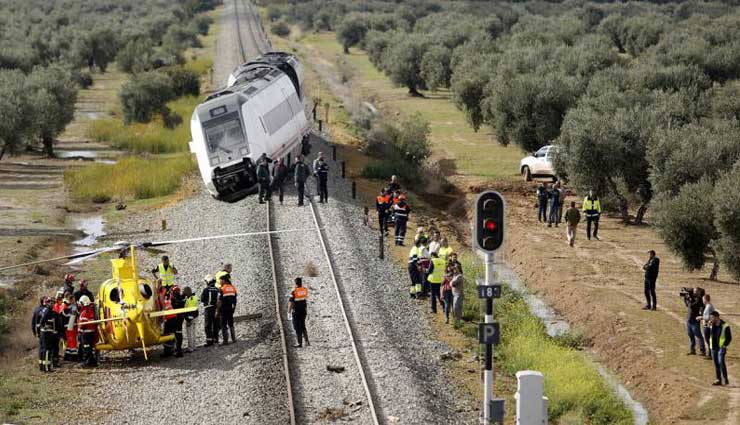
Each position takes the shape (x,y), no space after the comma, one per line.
(651,277)
(692,297)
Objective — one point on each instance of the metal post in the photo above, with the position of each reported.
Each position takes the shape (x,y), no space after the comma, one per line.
(488,373)
(344,165)
(354,190)
(164,225)
(321,126)
(333,153)
(381,246)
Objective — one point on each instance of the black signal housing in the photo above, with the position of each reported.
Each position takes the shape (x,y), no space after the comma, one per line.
(489,222)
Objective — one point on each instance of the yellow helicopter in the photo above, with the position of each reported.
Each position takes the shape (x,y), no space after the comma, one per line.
(129,306)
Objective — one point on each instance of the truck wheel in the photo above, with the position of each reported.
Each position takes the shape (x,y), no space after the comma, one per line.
(526,174)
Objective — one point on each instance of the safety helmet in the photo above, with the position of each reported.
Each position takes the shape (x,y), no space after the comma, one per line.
(69,277)
(60,294)
(85,300)
(83,283)
(208,278)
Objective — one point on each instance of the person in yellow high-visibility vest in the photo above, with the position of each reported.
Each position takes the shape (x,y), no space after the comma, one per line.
(226,271)
(592,210)
(436,275)
(444,249)
(165,272)
(719,338)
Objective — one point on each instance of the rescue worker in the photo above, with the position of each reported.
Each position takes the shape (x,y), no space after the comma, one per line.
(227,307)
(393,185)
(226,270)
(165,272)
(415,275)
(300,175)
(401,211)
(178,301)
(36,321)
(555,201)
(69,321)
(720,337)
(87,353)
(425,261)
(84,291)
(191,300)
(170,320)
(382,206)
(263,180)
(444,249)
(50,325)
(322,174)
(58,308)
(298,311)
(592,210)
(436,275)
(69,283)
(279,173)
(209,298)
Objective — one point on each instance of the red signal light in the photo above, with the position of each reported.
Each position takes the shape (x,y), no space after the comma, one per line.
(490,225)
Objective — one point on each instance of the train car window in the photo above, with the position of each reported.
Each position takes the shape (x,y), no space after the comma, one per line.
(115,295)
(145,290)
(217,111)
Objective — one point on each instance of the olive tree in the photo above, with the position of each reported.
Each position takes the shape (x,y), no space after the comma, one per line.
(435,67)
(727,220)
(351,31)
(15,110)
(53,97)
(145,95)
(403,62)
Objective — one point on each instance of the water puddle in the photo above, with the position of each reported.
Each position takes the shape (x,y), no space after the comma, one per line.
(105,161)
(557,326)
(88,155)
(92,226)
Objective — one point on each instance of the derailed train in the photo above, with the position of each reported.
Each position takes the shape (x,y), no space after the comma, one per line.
(259,112)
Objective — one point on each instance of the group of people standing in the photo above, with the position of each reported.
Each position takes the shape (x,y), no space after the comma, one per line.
(435,272)
(272,175)
(392,207)
(61,326)
(550,202)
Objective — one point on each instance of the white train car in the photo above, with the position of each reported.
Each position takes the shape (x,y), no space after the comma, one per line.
(261,112)
(286,62)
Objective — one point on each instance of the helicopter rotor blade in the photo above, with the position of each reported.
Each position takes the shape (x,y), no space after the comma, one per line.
(233,235)
(78,257)
(91,254)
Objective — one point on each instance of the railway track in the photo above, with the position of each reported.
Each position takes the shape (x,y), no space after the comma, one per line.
(299,408)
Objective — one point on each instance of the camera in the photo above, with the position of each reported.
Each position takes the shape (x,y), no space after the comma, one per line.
(686,292)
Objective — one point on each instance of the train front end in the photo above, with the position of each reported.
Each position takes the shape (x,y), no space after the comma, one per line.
(221,146)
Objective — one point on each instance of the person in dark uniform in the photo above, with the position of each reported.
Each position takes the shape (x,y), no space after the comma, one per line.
(279,173)
(401,211)
(37,318)
(209,299)
(227,306)
(383,205)
(263,180)
(83,291)
(170,320)
(301,173)
(178,301)
(720,337)
(322,174)
(651,277)
(298,310)
(393,185)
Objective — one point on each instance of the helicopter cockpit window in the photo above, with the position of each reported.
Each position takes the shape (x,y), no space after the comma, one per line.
(145,290)
(114,295)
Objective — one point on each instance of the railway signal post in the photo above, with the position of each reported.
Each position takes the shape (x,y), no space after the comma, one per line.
(488,235)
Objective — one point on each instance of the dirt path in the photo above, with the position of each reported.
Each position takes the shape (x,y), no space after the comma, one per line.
(597,287)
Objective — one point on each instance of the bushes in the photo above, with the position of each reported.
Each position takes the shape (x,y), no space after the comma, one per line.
(184,82)
(405,149)
(280,29)
(130,178)
(145,95)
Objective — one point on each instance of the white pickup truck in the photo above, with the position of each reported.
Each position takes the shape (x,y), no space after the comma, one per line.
(539,165)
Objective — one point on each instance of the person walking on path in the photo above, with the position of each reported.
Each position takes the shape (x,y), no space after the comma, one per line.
(554,196)
(542,195)
(652,267)
(572,218)
(279,173)
(592,210)
(695,306)
(227,307)
(315,167)
(707,318)
(401,211)
(300,175)
(263,180)
(383,205)
(298,311)
(720,338)
(191,300)
(322,173)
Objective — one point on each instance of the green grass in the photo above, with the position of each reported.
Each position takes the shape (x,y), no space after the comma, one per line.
(572,382)
(130,178)
(152,137)
(475,154)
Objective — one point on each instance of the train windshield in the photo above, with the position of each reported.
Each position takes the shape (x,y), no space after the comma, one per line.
(224,136)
